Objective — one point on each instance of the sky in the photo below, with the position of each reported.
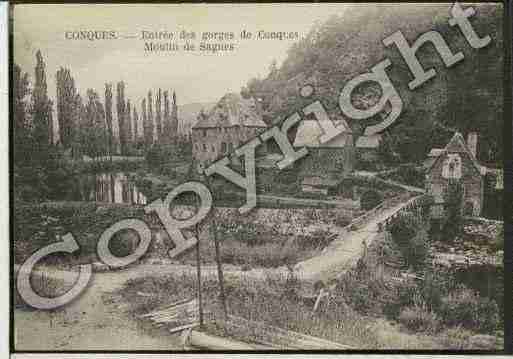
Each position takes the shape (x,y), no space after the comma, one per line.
(196,77)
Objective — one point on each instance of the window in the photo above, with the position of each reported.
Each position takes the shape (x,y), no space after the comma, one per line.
(452,166)
(223,147)
(204,148)
(204,133)
(213,149)
(230,147)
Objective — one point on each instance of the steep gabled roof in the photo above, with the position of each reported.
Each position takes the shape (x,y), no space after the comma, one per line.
(232,110)
(308,135)
(435,152)
(457,144)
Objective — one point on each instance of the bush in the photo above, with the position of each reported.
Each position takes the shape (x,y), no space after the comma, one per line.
(453,197)
(466,308)
(434,287)
(370,199)
(419,319)
(455,338)
(413,243)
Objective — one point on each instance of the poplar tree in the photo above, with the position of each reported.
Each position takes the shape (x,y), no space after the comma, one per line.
(136,126)
(158,115)
(167,119)
(150,118)
(41,110)
(120,103)
(20,88)
(66,92)
(108,116)
(128,123)
(146,125)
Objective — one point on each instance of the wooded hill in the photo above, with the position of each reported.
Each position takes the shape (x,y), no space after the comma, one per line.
(465,97)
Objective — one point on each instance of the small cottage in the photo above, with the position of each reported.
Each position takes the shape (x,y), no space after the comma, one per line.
(456,162)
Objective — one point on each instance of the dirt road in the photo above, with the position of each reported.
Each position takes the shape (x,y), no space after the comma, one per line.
(95,321)
(91,322)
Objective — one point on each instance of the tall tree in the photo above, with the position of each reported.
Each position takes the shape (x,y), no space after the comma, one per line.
(167,119)
(174,118)
(66,93)
(150,118)
(120,103)
(158,115)
(108,116)
(21,124)
(146,126)
(41,109)
(136,126)
(128,122)
(78,120)
(95,131)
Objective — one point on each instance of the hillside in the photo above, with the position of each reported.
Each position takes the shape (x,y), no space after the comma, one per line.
(465,97)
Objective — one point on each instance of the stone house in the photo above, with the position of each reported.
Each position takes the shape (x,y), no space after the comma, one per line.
(325,164)
(233,121)
(456,162)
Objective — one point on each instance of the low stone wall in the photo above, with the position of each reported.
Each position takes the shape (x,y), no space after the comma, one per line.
(283,221)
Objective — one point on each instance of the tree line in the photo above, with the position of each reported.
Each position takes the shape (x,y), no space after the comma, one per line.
(87,125)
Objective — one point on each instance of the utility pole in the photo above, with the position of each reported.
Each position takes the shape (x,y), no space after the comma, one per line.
(198,272)
(220,275)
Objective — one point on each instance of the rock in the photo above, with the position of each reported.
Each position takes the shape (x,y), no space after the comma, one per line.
(482,341)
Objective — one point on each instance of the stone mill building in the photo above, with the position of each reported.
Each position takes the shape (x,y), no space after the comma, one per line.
(233,121)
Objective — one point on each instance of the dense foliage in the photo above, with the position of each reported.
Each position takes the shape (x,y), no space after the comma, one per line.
(466,97)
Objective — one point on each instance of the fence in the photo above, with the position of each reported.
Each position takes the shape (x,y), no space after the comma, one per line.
(417,206)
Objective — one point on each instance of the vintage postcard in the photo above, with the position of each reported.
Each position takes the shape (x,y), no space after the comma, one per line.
(257,177)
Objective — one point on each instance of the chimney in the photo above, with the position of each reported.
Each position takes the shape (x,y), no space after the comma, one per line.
(472,143)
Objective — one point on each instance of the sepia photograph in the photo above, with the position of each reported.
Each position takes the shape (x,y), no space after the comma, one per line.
(257,177)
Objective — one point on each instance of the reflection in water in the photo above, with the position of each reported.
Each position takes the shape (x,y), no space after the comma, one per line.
(110,187)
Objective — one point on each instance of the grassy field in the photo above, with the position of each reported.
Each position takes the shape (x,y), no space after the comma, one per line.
(275,301)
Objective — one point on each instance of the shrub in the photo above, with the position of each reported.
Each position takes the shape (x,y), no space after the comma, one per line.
(455,338)
(453,197)
(434,287)
(413,244)
(419,319)
(466,308)
(370,199)
(417,250)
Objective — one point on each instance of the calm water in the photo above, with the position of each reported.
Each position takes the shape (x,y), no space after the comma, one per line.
(110,187)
